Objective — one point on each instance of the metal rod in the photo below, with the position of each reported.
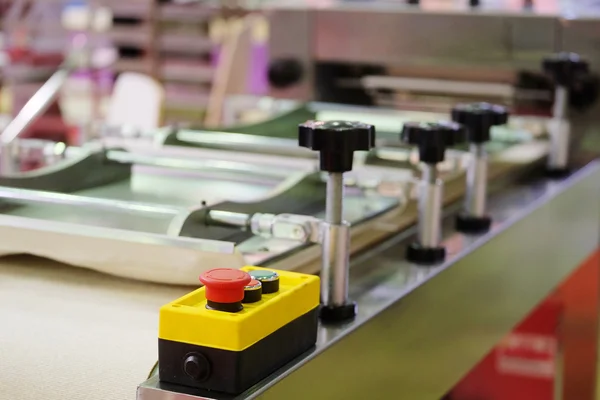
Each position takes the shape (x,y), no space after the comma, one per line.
(430,207)
(204,165)
(476,197)
(561,98)
(31,111)
(228,219)
(335,261)
(334,198)
(36,106)
(335,246)
(559,130)
(438,86)
(248,143)
(35,196)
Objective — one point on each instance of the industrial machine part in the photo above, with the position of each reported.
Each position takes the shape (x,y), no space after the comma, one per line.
(359,53)
(240,342)
(432,140)
(263,200)
(391,293)
(164,192)
(478,119)
(564,68)
(336,142)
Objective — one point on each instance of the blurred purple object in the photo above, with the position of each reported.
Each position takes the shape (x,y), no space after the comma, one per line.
(258,84)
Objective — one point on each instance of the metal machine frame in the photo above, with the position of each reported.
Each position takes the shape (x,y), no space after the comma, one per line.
(433,40)
(399,342)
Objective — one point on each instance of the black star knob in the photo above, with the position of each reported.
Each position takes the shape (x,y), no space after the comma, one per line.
(336,141)
(565,67)
(479,118)
(432,139)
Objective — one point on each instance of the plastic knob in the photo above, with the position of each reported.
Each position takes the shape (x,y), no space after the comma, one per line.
(284,72)
(432,139)
(565,68)
(336,141)
(224,288)
(479,118)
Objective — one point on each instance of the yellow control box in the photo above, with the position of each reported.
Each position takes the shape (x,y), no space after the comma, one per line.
(188,320)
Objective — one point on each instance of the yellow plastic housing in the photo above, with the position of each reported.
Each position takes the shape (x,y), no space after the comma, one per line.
(187,319)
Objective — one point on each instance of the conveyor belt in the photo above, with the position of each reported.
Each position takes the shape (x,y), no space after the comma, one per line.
(68,333)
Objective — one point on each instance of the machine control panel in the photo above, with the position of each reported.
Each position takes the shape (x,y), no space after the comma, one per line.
(238,328)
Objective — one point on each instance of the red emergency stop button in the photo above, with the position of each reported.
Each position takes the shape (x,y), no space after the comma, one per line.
(225,288)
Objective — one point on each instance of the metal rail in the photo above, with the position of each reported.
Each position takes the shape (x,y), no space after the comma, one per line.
(31,111)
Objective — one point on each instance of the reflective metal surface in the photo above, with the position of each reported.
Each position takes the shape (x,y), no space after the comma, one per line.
(430,200)
(433,40)
(476,195)
(411,317)
(30,112)
(335,263)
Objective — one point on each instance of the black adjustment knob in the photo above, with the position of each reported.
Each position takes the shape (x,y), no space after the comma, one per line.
(284,72)
(479,118)
(432,139)
(336,141)
(565,67)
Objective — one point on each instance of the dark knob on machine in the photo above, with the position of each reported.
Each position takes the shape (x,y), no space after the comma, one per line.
(432,139)
(336,141)
(284,72)
(565,68)
(479,118)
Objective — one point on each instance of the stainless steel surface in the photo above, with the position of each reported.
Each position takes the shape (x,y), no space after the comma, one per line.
(439,86)
(411,317)
(335,245)
(560,143)
(227,218)
(241,142)
(560,130)
(36,196)
(476,196)
(561,102)
(301,228)
(431,194)
(335,198)
(283,226)
(214,165)
(433,40)
(335,263)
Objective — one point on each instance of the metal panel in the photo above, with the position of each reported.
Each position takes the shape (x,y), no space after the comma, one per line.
(532,39)
(582,36)
(397,38)
(422,343)
(417,336)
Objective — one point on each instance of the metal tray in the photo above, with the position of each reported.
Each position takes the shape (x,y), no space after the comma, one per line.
(130,206)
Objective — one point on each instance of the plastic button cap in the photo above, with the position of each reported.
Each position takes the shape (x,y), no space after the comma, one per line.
(479,118)
(225,285)
(336,141)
